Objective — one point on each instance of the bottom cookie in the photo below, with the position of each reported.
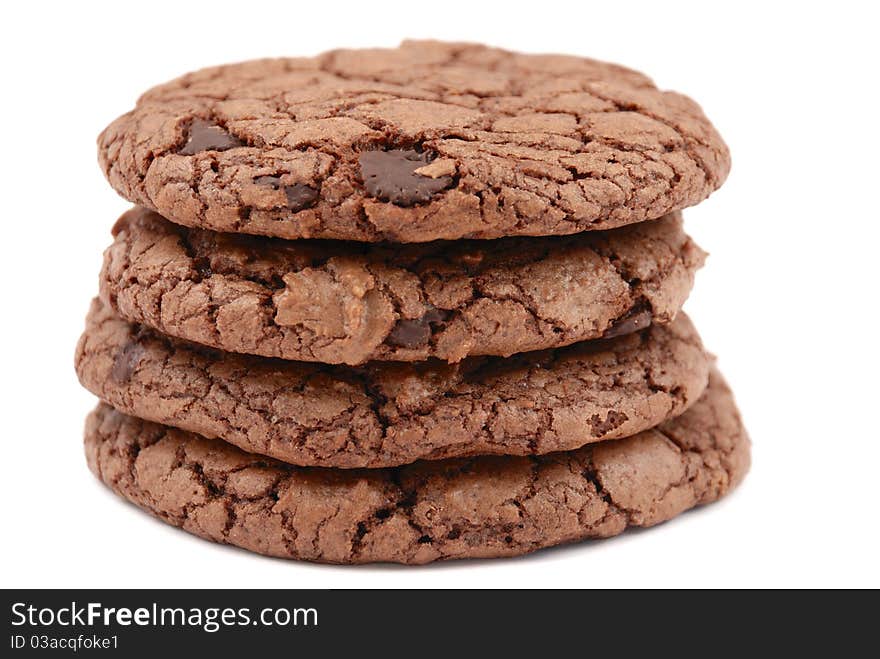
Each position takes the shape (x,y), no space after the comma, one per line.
(463,508)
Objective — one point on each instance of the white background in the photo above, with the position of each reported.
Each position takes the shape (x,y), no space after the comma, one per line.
(788,298)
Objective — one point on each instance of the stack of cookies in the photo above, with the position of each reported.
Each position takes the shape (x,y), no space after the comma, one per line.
(407,305)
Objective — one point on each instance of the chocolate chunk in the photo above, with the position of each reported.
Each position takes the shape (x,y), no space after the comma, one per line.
(390,176)
(273,182)
(299,195)
(416,332)
(126,361)
(410,334)
(205,136)
(202,267)
(635,319)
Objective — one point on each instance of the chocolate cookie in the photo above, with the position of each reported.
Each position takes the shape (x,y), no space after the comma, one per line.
(481,507)
(387,414)
(338,302)
(428,141)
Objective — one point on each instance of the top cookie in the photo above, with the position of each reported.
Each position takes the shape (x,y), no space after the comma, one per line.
(424,142)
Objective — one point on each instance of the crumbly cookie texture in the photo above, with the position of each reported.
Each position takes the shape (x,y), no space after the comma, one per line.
(424,142)
(342,302)
(388,414)
(467,508)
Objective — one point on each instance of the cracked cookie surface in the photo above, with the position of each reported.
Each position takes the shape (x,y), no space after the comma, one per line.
(388,414)
(466,508)
(343,302)
(428,141)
